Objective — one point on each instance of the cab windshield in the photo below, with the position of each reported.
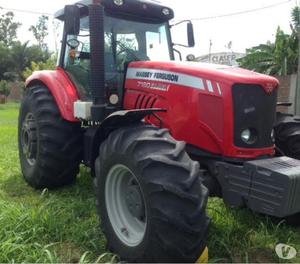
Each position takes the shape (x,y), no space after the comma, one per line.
(136,41)
(125,41)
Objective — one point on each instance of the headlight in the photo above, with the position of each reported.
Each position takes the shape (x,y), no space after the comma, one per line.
(249,136)
(114,99)
(246,135)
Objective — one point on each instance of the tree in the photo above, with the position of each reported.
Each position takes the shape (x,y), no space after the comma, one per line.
(56,32)
(285,53)
(295,26)
(8,29)
(295,19)
(259,58)
(19,57)
(35,53)
(40,31)
(6,64)
(22,55)
(279,58)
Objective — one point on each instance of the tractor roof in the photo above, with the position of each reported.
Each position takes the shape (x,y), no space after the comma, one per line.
(132,7)
(60,13)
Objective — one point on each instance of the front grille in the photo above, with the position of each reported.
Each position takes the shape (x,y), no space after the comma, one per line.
(254,109)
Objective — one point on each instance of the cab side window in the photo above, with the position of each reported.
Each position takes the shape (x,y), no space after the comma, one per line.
(77,59)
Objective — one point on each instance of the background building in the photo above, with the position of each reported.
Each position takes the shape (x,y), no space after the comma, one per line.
(225,58)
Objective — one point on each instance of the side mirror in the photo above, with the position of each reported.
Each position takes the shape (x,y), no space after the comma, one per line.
(72,19)
(190,35)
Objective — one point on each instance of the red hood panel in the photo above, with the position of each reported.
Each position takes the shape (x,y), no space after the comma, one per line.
(202,116)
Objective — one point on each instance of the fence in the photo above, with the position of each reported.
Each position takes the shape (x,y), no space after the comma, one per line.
(287,92)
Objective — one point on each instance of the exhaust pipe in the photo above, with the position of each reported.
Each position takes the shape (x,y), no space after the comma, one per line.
(97,77)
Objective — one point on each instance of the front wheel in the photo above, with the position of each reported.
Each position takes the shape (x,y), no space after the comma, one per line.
(150,197)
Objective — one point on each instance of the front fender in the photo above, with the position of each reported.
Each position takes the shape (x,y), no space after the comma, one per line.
(61,87)
(96,135)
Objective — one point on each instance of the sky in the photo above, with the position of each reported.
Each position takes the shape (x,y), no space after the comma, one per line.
(244,30)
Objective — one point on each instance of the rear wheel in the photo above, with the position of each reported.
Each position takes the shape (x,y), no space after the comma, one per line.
(150,197)
(287,140)
(287,135)
(50,148)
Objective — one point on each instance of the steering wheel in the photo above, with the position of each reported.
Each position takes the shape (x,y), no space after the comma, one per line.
(73,43)
(129,55)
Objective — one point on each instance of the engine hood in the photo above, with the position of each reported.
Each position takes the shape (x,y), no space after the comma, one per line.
(173,71)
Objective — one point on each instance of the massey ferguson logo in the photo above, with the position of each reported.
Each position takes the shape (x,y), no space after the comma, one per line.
(158,76)
(164,79)
(269,88)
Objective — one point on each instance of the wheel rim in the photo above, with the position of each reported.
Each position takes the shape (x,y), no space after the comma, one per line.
(28,139)
(125,205)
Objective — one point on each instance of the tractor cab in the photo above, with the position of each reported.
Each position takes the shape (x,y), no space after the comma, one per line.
(129,31)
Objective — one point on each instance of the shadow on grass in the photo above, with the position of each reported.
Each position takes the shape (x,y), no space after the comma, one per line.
(15,186)
(240,235)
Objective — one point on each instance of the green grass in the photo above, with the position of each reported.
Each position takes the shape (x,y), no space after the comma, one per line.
(43,226)
(62,226)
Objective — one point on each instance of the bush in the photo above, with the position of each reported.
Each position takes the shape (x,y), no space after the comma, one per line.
(4,88)
(4,91)
(50,64)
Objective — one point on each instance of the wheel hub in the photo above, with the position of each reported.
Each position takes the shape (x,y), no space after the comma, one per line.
(125,205)
(134,201)
(29,138)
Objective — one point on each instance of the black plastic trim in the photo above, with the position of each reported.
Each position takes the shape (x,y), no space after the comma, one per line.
(256,110)
(94,136)
(267,186)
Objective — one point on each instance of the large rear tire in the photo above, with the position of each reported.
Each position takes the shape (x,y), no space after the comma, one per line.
(287,141)
(287,135)
(50,148)
(150,197)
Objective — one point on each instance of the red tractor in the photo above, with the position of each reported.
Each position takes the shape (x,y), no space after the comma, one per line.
(119,104)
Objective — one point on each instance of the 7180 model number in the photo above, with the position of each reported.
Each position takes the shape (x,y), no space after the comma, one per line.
(155,86)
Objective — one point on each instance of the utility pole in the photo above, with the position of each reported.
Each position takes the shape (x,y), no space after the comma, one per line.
(209,54)
(297,99)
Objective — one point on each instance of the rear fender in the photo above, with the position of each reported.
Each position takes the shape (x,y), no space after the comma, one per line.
(61,87)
